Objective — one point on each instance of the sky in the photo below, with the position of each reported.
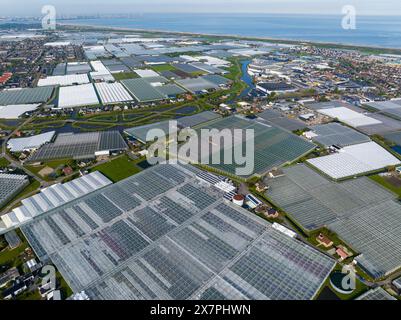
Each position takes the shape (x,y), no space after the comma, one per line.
(74,7)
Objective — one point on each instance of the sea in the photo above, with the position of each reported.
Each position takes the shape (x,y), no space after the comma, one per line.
(372,31)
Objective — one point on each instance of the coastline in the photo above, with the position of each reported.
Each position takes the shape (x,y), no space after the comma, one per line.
(240,37)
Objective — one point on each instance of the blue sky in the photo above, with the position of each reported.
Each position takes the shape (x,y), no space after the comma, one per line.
(364,7)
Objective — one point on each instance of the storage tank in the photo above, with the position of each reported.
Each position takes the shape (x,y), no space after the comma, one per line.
(239,200)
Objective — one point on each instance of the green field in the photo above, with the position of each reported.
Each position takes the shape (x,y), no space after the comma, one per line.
(125,75)
(4,163)
(118,169)
(52,164)
(163,67)
(12,257)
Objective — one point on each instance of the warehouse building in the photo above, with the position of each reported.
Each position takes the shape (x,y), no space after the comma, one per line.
(217,80)
(67,80)
(30,143)
(25,96)
(110,93)
(197,85)
(100,73)
(80,146)
(142,90)
(123,241)
(10,186)
(140,133)
(349,117)
(15,111)
(145,73)
(78,68)
(275,118)
(277,87)
(77,96)
(335,134)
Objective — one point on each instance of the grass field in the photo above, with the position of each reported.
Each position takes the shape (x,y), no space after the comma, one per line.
(125,75)
(163,67)
(4,163)
(12,257)
(118,169)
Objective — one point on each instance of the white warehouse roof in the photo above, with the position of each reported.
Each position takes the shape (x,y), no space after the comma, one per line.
(101,72)
(350,117)
(53,197)
(112,92)
(355,160)
(146,73)
(14,111)
(77,96)
(29,143)
(66,80)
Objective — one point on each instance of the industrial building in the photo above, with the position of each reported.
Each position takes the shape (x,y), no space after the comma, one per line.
(197,85)
(275,118)
(112,93)
(335,134)
(140,133)
(80,146)
(355,160)
(349,117)
(197,119)
(100,73)
(15,111)
(25,96)
(77,96)
(78,68)
(142,90)
(164,234)
(277,87)
(67,80)
(10,186)
(145,73)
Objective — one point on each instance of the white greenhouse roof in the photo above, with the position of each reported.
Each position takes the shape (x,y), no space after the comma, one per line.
(145,73)
(29,143)
(14,111)
(66,80)
(112,92)
(53,197)
(350,117)
(355,160)
(77,96)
